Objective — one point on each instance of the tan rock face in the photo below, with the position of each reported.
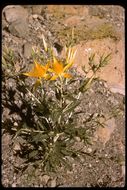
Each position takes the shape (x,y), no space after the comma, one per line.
(36,9)
(104,134)
(72,21)
(114,72)
(14,13)
(68,9)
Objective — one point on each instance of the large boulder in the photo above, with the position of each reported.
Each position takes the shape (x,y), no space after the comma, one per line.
(14,13)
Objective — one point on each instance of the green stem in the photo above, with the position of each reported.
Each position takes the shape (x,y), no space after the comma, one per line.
(61,91)
(61,97)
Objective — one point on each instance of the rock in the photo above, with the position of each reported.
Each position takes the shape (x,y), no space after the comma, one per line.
(29,8)
(27,49)
(41,18)
(53,182)
(114,72)
(123,170)
(36,9)
(5,114)
(64,185)
(13,184)
(14,13)
(77,139)
(19,28)
(35,16)
(116,88)
(45,179)
(73,20)
(89,150)
(15,124)
(98,11)
(67,9)
(11,83)
(4,24)
(104,134)
(17,147)
(113,100)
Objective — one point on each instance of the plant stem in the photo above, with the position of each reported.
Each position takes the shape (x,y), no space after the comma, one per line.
(61,91)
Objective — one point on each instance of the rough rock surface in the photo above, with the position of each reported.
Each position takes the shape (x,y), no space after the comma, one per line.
(13,13)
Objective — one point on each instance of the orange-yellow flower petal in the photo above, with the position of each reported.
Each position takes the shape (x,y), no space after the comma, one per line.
(59,70)
(37,71)
(54,77)
(57,66)
(66,75)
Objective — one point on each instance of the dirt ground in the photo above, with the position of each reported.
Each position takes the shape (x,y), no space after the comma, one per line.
(97,29)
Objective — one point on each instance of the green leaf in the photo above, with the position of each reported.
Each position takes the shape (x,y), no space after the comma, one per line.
(56,114)
(104,60)
(3,61)
(91,60)
(39,137)
(69,126)
(86,84)
(87,141)
(33,154)
(55,159)
(100,124)
(45,123)
(40,125)
(42,109)
(79,112)
(67,165)
(65,152)
(70,131)
(69,97)
(58,93)
(47,166)
(71,107)
(83,84)
(95,68)
(72,81)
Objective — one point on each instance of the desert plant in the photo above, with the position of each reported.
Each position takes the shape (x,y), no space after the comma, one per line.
(53,99)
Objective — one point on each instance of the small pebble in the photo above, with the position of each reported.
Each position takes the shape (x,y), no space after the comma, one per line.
(123,170)
(77,139)
(100,82)
(17,147)
(35,16)
(53,182)
(15,124)
(45,178)
(105,85)
(100,181)
(89,150)
(90,165)
(13,184)
(118,24)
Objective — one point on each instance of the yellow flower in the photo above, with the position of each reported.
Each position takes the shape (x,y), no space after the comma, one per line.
(39,71)
(59,70)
